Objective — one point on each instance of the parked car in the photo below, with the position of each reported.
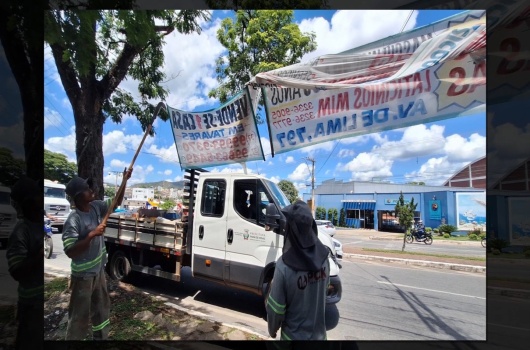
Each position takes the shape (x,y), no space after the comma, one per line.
(326,226)
(338,248)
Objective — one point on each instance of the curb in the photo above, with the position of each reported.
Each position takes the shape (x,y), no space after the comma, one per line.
(209,318)
(439,265)
(508,292)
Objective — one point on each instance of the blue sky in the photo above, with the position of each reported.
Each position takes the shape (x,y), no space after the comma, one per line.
(428,152)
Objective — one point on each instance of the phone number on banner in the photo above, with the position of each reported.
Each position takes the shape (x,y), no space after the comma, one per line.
(234,142)
(287,116)
(221,156)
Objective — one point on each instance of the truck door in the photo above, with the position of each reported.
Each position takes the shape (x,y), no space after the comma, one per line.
(249,248)
(209,231)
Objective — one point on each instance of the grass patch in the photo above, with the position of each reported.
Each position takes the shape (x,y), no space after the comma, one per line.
(55,287)
(122,324)
(454,238)
(425,254)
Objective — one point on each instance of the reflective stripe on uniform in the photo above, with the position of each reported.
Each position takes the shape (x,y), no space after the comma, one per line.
(67,243)
(100,326)
(15,260)
(28,293)
(284,336)
(275,306)
(90,264)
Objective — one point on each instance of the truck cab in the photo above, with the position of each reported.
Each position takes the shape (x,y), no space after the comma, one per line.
(8,215)
(230,241)
(56,204)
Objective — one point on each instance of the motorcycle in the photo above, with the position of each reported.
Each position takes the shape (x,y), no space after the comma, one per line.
(420,235)
(48,241)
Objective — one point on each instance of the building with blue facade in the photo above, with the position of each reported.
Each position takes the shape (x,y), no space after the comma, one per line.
(371,204)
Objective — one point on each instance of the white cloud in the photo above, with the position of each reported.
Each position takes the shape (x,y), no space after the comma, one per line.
(275,179)
(435,171)
(168,172)
(289,160)
(417,141)
(52,118)
(351,28)
(343,153)
(118,164)
(64,145)
(324,146)
(300,173)
(367,166)
(459,149)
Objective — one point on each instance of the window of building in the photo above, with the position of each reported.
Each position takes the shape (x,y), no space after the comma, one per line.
(353,214)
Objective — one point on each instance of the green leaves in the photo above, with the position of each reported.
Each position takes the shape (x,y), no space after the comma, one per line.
(257,41)
(57,167)
(289,190)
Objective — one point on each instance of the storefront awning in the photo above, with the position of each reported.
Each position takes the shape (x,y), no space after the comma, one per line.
(361,205)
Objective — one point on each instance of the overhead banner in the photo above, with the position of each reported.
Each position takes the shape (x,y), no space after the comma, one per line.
(380,86)
(219,136)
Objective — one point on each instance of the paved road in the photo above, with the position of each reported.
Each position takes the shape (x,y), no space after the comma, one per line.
(362,239)
(380,301)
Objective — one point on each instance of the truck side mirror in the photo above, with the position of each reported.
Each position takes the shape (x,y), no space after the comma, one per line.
(272,217)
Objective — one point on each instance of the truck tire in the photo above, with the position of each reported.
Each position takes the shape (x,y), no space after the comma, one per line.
(120,266)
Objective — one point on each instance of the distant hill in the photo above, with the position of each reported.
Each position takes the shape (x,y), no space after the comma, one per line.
(165,184)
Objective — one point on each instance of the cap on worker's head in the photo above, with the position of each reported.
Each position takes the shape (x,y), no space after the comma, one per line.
(25,188)
(76,186)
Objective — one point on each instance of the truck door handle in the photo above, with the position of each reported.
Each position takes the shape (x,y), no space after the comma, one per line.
(230,236)
(201,232)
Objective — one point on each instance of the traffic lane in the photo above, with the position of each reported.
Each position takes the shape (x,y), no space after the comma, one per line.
(381,302)
(58,260)
(436,247)
(508,322)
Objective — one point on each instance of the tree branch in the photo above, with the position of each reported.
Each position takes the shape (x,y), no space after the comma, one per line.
(67,74)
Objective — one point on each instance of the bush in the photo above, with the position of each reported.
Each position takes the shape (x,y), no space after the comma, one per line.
(447,235)
(436,230)
(482,235)
(428,229)
(473,237)
(447,228)
(497,243)
(476,232)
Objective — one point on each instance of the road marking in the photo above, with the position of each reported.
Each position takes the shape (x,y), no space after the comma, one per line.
(504,326)
(352,243)
(431,290)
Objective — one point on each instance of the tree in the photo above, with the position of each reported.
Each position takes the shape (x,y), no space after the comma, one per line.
(110,191)
(320,213)
(94,51)
(58,168)
(289,190)
(258,41)
(11,168)
(333,215)
(167,205)
(267,4)
(342,218)
(405,213)
(23,50)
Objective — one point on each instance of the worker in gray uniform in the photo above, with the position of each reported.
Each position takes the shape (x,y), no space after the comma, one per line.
(83,242)
(25,261)
(297,299)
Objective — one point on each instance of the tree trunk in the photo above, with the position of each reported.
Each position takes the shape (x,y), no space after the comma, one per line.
(89,149)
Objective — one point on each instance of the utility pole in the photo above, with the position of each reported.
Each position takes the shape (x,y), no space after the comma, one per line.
(312,186)
(117,173)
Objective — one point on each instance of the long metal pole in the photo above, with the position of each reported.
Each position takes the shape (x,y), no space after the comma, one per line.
(124,178)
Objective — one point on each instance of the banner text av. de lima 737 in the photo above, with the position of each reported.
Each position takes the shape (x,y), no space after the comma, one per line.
(219,136)
(339,96)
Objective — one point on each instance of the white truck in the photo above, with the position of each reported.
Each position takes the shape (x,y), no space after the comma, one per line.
(56,204)
(216,239)
(8,215)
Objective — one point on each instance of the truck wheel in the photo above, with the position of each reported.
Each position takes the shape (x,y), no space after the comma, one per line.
(120,266)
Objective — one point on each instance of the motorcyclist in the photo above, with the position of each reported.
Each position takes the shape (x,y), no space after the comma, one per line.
(419,230)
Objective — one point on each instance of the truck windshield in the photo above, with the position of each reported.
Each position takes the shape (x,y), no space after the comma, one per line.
(54,192)
(5,198)
(277,194)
